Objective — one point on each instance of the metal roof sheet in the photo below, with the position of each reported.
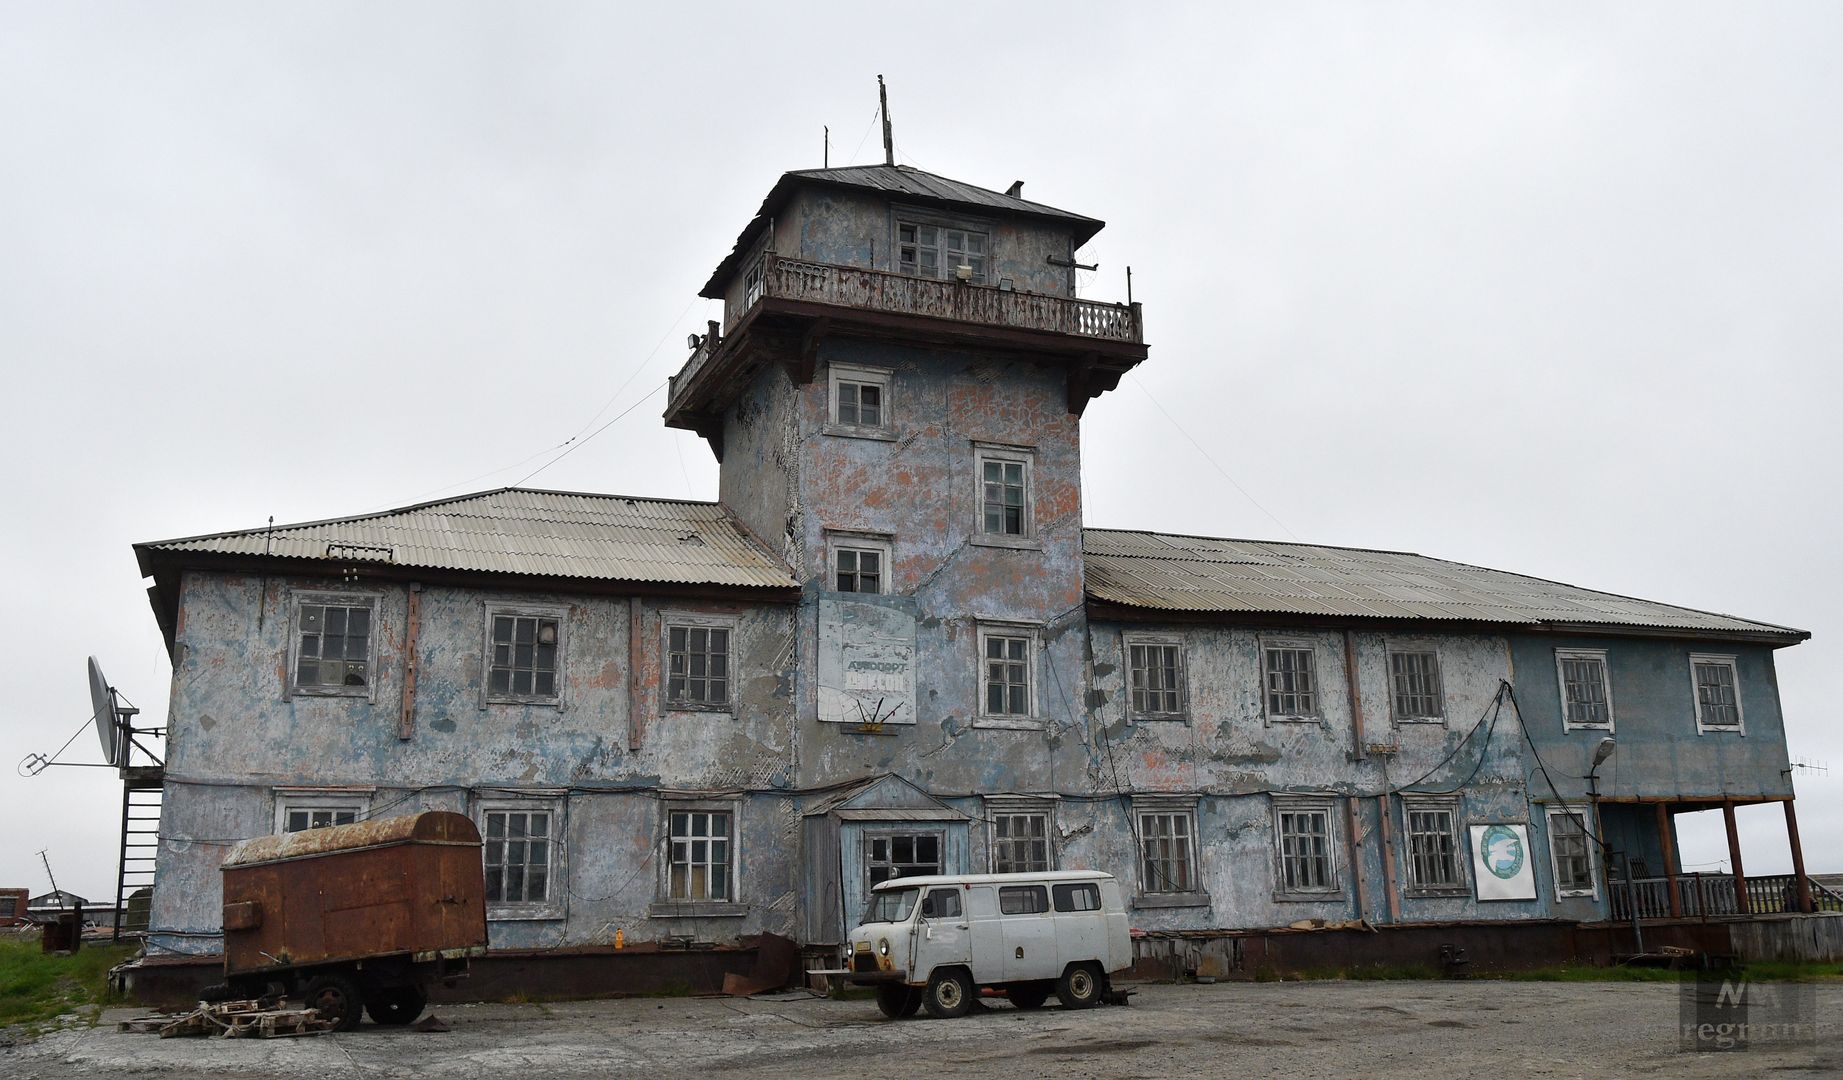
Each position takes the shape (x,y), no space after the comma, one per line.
(524,531)
(1204,574)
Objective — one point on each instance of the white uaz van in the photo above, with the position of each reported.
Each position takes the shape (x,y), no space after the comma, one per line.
(934,941)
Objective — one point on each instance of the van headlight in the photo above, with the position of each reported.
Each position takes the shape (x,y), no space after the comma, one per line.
(883,946)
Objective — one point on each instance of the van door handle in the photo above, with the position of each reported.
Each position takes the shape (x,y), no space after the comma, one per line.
(959,926)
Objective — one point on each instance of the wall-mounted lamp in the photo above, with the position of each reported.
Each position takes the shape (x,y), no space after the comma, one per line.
(1604,751)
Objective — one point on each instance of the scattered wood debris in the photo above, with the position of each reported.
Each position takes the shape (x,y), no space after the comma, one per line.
(260,1018)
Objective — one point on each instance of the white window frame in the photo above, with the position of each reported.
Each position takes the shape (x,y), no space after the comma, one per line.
(944,269)
(1007,807)
(1128,642)
(668,906)
(1005,454)
(1032,636)
(840,541)
(1405,649)
(882,378)
(1289,644)
(1739,727)
(1176,807)
(288,799)
(492,611)
(1585,814)
(1438,804)
(696,620)
(313,598)
(1334,875)
(553,906)
(1606,685)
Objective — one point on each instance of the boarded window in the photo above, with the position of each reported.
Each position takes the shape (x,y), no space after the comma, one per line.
(1583,681)
(1717,701)
(517,853)
(1022,900)
(699,863)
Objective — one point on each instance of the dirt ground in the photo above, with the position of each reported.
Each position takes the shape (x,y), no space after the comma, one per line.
(1426,1030)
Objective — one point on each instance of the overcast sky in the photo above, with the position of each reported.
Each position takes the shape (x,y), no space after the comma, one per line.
(1546,287)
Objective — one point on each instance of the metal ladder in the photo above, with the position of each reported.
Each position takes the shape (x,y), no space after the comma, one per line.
(141,804)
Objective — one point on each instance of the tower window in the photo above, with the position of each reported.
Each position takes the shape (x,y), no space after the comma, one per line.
(934,251)
(1004,493)
(858,401)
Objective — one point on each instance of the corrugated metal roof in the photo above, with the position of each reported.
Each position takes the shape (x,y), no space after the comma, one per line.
(522,531)
(1205,574)
(903,180)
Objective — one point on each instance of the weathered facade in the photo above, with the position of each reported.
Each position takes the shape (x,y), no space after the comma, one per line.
(892,647)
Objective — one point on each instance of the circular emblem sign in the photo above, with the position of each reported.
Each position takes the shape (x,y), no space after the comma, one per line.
(1503,852)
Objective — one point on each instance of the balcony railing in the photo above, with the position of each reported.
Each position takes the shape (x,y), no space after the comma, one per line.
(1700,896)
(898,294)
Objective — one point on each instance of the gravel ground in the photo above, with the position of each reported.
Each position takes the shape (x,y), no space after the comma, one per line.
(1425,1030)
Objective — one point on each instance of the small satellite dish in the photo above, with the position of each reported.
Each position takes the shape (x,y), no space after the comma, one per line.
(102,704)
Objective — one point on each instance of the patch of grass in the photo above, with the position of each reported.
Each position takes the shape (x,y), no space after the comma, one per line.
(1587,973)
(1793,971)
(35,987)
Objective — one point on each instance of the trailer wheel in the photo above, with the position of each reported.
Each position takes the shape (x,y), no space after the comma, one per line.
(949,994)
(335,998)
(898,1002)
(1080,987)
(396,1005)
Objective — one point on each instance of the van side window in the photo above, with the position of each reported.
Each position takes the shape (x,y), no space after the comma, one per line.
(1078,898)
(941,904)
(1022,900)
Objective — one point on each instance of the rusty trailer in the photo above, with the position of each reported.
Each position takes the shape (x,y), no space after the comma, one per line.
(355,918)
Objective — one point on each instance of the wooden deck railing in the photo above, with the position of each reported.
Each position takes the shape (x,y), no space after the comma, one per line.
(1702,895)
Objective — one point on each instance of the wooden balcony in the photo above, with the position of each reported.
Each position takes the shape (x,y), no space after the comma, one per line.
(918,308)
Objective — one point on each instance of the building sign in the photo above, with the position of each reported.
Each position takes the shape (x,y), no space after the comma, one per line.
(866,663)
(1501,865)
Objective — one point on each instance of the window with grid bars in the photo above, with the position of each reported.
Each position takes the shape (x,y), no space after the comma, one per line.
(858,570)
(1020,843)
(1167,861)
(1433,847)
(1718,702)
(1304,835)
(860,404)
(1003,505)
(1570,853)
(1006,674)
(888,855)
(934,251)
(333,647)
(1415,678)
(302,818)
(699,863)
(524,656)
(1155,674)
(697,666)
(1292,682)
(1587,702)
(517,851)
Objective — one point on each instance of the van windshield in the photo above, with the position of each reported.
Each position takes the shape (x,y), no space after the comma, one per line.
(891,905)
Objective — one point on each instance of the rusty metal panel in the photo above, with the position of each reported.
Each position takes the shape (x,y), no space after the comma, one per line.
(1191,573)
(410,884)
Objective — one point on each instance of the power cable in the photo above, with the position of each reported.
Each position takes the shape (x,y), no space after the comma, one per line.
(1206,457)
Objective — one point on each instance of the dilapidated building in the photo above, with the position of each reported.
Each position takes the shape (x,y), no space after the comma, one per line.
(892,647)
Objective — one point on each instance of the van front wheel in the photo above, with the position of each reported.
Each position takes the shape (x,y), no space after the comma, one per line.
(950,994)
(1079,987)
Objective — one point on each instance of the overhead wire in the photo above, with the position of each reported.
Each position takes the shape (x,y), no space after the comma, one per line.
(1246,494)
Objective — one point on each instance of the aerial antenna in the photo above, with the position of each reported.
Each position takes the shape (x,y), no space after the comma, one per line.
(828,154)
(54,880)
(889,136)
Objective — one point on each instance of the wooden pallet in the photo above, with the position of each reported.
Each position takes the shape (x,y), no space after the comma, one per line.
(231,1020)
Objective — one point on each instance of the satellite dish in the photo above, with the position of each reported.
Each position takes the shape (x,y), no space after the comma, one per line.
(102,704)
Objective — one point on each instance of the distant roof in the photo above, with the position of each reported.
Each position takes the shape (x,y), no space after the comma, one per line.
(1164,572)
(521,531)
(913,185)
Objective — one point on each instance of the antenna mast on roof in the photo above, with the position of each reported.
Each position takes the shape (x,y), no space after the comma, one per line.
(889,137)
